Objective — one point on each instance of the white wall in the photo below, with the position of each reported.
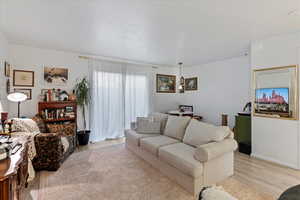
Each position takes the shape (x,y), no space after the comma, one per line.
(31,58)
(223,88)
(275,139)
(3,58)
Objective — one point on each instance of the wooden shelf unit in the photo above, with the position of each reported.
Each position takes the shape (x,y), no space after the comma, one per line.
(55,105)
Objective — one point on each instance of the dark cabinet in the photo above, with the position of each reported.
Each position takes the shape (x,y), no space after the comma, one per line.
(242,132)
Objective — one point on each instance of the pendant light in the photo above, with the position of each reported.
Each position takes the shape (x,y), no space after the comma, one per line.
(181,83)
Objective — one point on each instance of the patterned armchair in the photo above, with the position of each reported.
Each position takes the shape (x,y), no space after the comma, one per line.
(53,144)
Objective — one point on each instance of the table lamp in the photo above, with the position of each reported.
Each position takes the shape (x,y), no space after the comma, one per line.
(17,97)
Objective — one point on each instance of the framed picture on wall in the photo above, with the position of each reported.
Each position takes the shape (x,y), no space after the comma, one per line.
(56,76)
(27,92)
(8,86)
(165,83)
(22,78)
(191,84)
(6,69)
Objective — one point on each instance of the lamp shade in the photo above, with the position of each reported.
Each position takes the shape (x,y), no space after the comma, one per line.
(16,97)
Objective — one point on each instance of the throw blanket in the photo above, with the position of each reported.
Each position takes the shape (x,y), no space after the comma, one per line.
(31,152)
(27,127)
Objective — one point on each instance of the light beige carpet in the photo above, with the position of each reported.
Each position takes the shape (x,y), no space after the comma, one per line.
(115,173)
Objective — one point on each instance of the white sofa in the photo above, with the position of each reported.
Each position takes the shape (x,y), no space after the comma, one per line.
(192,153)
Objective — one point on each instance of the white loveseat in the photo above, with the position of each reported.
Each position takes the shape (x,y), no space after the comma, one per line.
(192,153)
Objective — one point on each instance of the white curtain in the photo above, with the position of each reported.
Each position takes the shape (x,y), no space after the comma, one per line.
(136,97)
(119,95)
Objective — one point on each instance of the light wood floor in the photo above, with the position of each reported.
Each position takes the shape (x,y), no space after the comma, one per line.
(264,176)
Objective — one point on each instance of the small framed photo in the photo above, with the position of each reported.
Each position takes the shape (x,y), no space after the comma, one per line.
(6,69)
(191,84)
(165,83)
(27,92)
(22,78)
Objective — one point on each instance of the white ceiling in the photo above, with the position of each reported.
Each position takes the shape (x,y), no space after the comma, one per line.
(153,31)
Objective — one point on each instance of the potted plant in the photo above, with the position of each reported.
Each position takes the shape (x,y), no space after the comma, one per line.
(82,92)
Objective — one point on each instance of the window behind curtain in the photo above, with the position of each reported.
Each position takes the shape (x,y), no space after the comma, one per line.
(118,97)
(136,97)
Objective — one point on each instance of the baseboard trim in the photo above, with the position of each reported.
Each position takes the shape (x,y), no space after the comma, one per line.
(274,161)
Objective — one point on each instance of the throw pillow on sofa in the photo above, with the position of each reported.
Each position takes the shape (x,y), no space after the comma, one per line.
(147,126)
(162,118)
(176,126)
(199,133)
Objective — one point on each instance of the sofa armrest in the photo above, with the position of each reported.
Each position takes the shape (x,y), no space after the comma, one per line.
(213,150)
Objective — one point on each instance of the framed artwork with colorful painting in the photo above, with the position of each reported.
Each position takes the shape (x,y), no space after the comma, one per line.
(165,83)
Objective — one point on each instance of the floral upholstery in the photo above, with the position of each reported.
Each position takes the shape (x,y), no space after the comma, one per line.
(25,125)
(50,151)
(40,123)
(63,129)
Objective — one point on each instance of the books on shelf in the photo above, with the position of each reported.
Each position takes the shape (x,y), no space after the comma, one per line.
(51,114)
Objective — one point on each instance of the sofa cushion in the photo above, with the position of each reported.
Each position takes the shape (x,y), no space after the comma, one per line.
(152,144)
(176,126)
(181,156)
(199,133)
(134,138)
(162,118)
(147,125)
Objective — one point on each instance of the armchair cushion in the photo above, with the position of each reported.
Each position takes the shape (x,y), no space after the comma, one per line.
(213,150)
(40,123)
(63,129)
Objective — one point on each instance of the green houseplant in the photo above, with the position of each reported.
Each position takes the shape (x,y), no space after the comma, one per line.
(82,93)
